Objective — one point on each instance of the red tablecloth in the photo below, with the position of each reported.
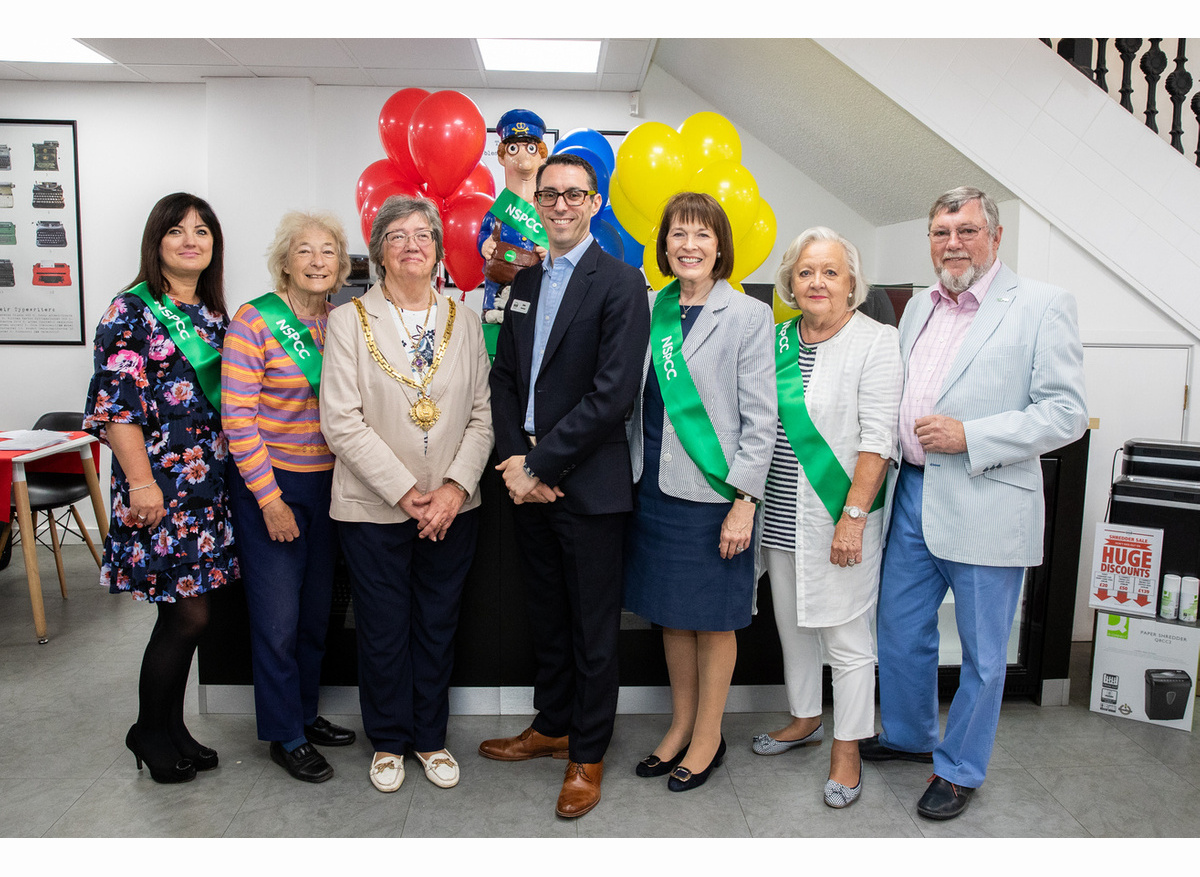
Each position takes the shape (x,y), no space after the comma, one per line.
(68,463)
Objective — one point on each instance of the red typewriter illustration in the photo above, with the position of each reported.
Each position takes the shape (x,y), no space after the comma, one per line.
(51,274)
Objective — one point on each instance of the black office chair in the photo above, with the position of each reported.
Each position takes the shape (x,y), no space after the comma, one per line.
(50,491)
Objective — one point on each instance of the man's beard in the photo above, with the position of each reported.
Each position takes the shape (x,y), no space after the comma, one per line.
(963,281)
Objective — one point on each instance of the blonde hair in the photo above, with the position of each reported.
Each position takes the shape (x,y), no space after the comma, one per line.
(783,277)
(293,224)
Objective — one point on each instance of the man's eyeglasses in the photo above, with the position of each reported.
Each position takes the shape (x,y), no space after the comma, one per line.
(967,233)
(399,238)
(573,197)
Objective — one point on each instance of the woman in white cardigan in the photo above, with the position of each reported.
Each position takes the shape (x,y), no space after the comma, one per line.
(839,376)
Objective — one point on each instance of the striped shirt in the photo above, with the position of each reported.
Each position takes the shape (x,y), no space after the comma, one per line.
(269,411)
(932,355)
(783,478)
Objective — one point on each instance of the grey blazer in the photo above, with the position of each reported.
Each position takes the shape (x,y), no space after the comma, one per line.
(1017,386)
(730,356)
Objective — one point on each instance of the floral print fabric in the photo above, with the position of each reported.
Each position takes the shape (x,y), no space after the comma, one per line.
(142,378)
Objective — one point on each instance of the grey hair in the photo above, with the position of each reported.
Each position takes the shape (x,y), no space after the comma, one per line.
(402,207)
(293,224)
(954,201)
(859,287)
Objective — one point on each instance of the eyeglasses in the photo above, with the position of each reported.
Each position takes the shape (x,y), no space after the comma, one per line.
(573,197)
(398,238)
(967,234)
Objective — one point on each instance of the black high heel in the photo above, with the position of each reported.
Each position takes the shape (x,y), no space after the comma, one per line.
(203,758)
(682,779)
(653,766)
(181,772)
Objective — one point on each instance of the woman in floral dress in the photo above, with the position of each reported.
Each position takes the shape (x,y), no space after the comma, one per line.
(157,352)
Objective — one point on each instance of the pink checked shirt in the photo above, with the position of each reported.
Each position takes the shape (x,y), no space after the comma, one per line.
(932,355)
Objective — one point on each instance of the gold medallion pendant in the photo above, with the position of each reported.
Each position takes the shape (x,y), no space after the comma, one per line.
(424,413)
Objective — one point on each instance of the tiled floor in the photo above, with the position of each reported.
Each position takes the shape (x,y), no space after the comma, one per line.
(64,771)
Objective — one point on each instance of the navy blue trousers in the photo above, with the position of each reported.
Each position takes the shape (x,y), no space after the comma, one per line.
(289,587)
(407,592)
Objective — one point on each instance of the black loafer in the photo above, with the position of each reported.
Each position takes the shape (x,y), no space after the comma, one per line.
(323,732)
(943,799)
(683,780)
(872,750)
(653,766)
(304,762)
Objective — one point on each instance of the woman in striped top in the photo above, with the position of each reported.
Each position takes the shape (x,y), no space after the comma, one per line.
(838,375)
(270,379)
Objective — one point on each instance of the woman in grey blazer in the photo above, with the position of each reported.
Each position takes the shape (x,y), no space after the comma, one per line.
(701,439)
(405,408)
(838,374)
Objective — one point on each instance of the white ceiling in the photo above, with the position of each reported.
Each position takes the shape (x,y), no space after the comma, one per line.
(805,105)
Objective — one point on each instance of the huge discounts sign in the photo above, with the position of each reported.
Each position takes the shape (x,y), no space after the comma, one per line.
(1125,569)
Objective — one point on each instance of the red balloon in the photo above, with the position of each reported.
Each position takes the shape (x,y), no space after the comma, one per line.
(393,130)
(377,174)
(478,180)
(375,199)
(461,219)
(446,135)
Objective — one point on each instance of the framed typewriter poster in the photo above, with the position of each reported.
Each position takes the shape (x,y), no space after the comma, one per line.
(41,257)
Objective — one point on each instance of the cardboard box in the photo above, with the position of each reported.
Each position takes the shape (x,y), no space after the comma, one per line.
(1125,564)
(1145,669)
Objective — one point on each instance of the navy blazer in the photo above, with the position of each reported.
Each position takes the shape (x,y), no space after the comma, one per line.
(587,385)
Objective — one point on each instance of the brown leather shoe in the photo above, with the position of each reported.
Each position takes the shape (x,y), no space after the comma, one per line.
(581,789)
(526,745)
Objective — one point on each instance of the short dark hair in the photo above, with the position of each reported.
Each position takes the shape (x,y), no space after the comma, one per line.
(573,160)
(706,211)
(165,215)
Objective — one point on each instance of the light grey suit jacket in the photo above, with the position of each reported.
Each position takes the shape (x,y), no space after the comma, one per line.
(1017,386)
(381,453)
(730,356)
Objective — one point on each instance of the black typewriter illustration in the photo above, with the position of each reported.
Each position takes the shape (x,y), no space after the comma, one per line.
(5,157)
(6,194)
(51,274)
(45,156)
(7,277)
(51,234)
(8,234)
(48,196)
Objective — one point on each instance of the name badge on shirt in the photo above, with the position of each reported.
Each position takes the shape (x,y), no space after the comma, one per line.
(521,307)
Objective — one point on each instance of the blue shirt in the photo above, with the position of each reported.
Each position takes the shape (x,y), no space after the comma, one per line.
(556,274)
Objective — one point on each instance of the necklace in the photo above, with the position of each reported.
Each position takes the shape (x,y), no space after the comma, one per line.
(812,345)
(418,361)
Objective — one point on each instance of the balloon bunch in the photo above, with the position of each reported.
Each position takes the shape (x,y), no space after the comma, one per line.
(434,143)
(656,161)
(591,145)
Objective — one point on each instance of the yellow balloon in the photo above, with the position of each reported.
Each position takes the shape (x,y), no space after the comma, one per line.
(654,277)
(711,137)
(735,189)
(631,219)
(781,309)
(755,245)
(653,165)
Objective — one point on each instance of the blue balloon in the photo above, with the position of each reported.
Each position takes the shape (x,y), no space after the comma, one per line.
(590,138)
(633,249)
(602,173)
(608,238)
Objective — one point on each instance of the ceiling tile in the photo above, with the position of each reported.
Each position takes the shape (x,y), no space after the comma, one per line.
(287,53)
(148,51)
(319,75)
(433,80)
(414,54)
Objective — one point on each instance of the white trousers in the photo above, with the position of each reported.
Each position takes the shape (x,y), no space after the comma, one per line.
(848,648)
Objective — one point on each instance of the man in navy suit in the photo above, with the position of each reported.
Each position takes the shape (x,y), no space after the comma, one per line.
(566,374)
(993,380)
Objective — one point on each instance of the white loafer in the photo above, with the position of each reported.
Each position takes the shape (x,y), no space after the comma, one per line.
(387,771)
(441,768)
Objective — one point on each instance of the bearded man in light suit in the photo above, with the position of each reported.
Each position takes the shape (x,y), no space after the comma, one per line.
(993,379)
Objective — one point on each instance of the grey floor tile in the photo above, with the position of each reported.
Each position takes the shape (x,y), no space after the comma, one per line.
(1063,736)
(793,805)
(1126,800)
(1011,803)
(29,807)
(1168,745)
(633,806)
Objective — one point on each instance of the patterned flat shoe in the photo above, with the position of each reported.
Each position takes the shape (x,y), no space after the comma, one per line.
(838,796)
(765,744)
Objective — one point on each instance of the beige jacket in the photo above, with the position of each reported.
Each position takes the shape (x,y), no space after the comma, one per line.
(381,453)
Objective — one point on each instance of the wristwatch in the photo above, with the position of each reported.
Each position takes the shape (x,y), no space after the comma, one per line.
(745,497)
(854,512)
